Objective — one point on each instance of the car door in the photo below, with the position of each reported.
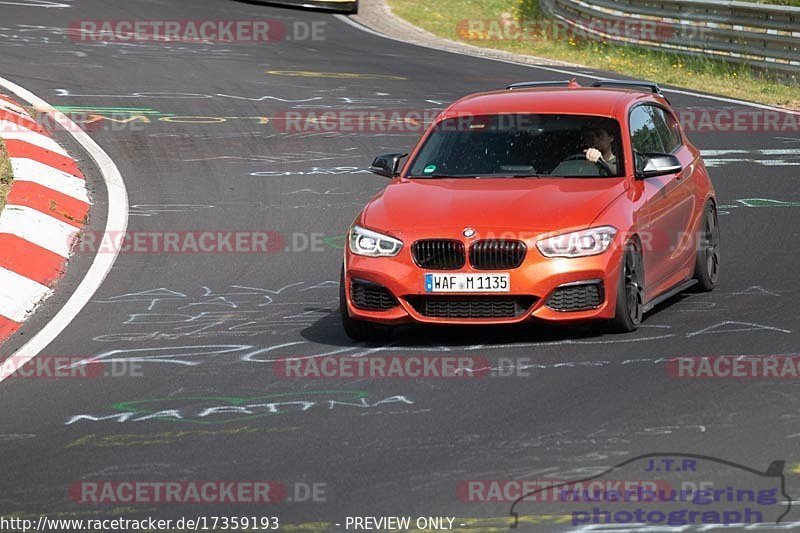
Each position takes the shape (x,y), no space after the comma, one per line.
(667,201)
(682,190)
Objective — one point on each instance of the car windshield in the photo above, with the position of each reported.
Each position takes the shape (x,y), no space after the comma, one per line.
(520,145)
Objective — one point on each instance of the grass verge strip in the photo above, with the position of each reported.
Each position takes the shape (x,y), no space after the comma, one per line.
(448,18)
(6,176)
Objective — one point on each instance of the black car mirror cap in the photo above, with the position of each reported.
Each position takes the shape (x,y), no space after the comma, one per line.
(387,165)
(659,165)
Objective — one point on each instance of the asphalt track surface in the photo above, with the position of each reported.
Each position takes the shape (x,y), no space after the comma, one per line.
(591,401)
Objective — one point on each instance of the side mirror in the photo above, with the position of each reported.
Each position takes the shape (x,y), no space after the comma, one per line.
(658,165)
(386,165)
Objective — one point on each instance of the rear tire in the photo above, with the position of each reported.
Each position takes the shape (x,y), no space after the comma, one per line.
(706,269)
(359,330)
(630,291)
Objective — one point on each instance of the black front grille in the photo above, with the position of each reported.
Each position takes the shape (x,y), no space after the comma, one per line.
(371,296)
(576,297)
(471,306)
(497,254)
(439,254)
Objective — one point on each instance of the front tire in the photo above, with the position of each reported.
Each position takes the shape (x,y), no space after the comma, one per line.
(630,291)
(706,269)
(358,330)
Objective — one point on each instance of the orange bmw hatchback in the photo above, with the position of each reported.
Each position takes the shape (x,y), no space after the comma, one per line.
(546,200)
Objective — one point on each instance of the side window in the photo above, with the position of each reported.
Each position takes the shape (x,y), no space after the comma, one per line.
(644,136)
(667,129)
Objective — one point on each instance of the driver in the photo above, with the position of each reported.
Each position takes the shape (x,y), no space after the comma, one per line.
(600,141)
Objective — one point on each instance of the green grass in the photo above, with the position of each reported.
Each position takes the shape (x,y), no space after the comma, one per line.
(441,17)
(6,176)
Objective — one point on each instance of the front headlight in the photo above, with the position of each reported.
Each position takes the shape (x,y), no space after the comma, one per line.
(372,244)
(578,243)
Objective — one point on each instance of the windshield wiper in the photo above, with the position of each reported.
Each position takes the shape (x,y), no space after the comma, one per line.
(529,176)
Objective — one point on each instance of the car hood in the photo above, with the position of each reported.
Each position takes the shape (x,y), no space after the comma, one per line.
(491,204)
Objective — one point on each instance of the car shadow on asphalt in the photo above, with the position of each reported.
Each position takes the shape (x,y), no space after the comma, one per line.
(290,7)
(328,330)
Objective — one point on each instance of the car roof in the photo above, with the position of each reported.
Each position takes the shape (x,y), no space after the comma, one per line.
(607,102)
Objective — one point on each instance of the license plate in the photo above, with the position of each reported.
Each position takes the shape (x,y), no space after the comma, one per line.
(467,283)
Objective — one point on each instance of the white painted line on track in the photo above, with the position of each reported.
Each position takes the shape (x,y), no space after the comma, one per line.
(765,151)
(33,171)
(19,295)
(117,221)
(562,70)
(34,3)
(39,228)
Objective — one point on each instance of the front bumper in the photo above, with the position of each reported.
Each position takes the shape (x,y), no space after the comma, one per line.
(538,277)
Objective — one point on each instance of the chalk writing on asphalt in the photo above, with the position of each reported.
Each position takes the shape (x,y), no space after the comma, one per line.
(226,409)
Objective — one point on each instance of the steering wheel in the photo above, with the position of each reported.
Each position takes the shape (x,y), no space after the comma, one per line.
(605,170)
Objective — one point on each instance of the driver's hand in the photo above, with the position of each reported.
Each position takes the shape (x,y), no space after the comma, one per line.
(593,155)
